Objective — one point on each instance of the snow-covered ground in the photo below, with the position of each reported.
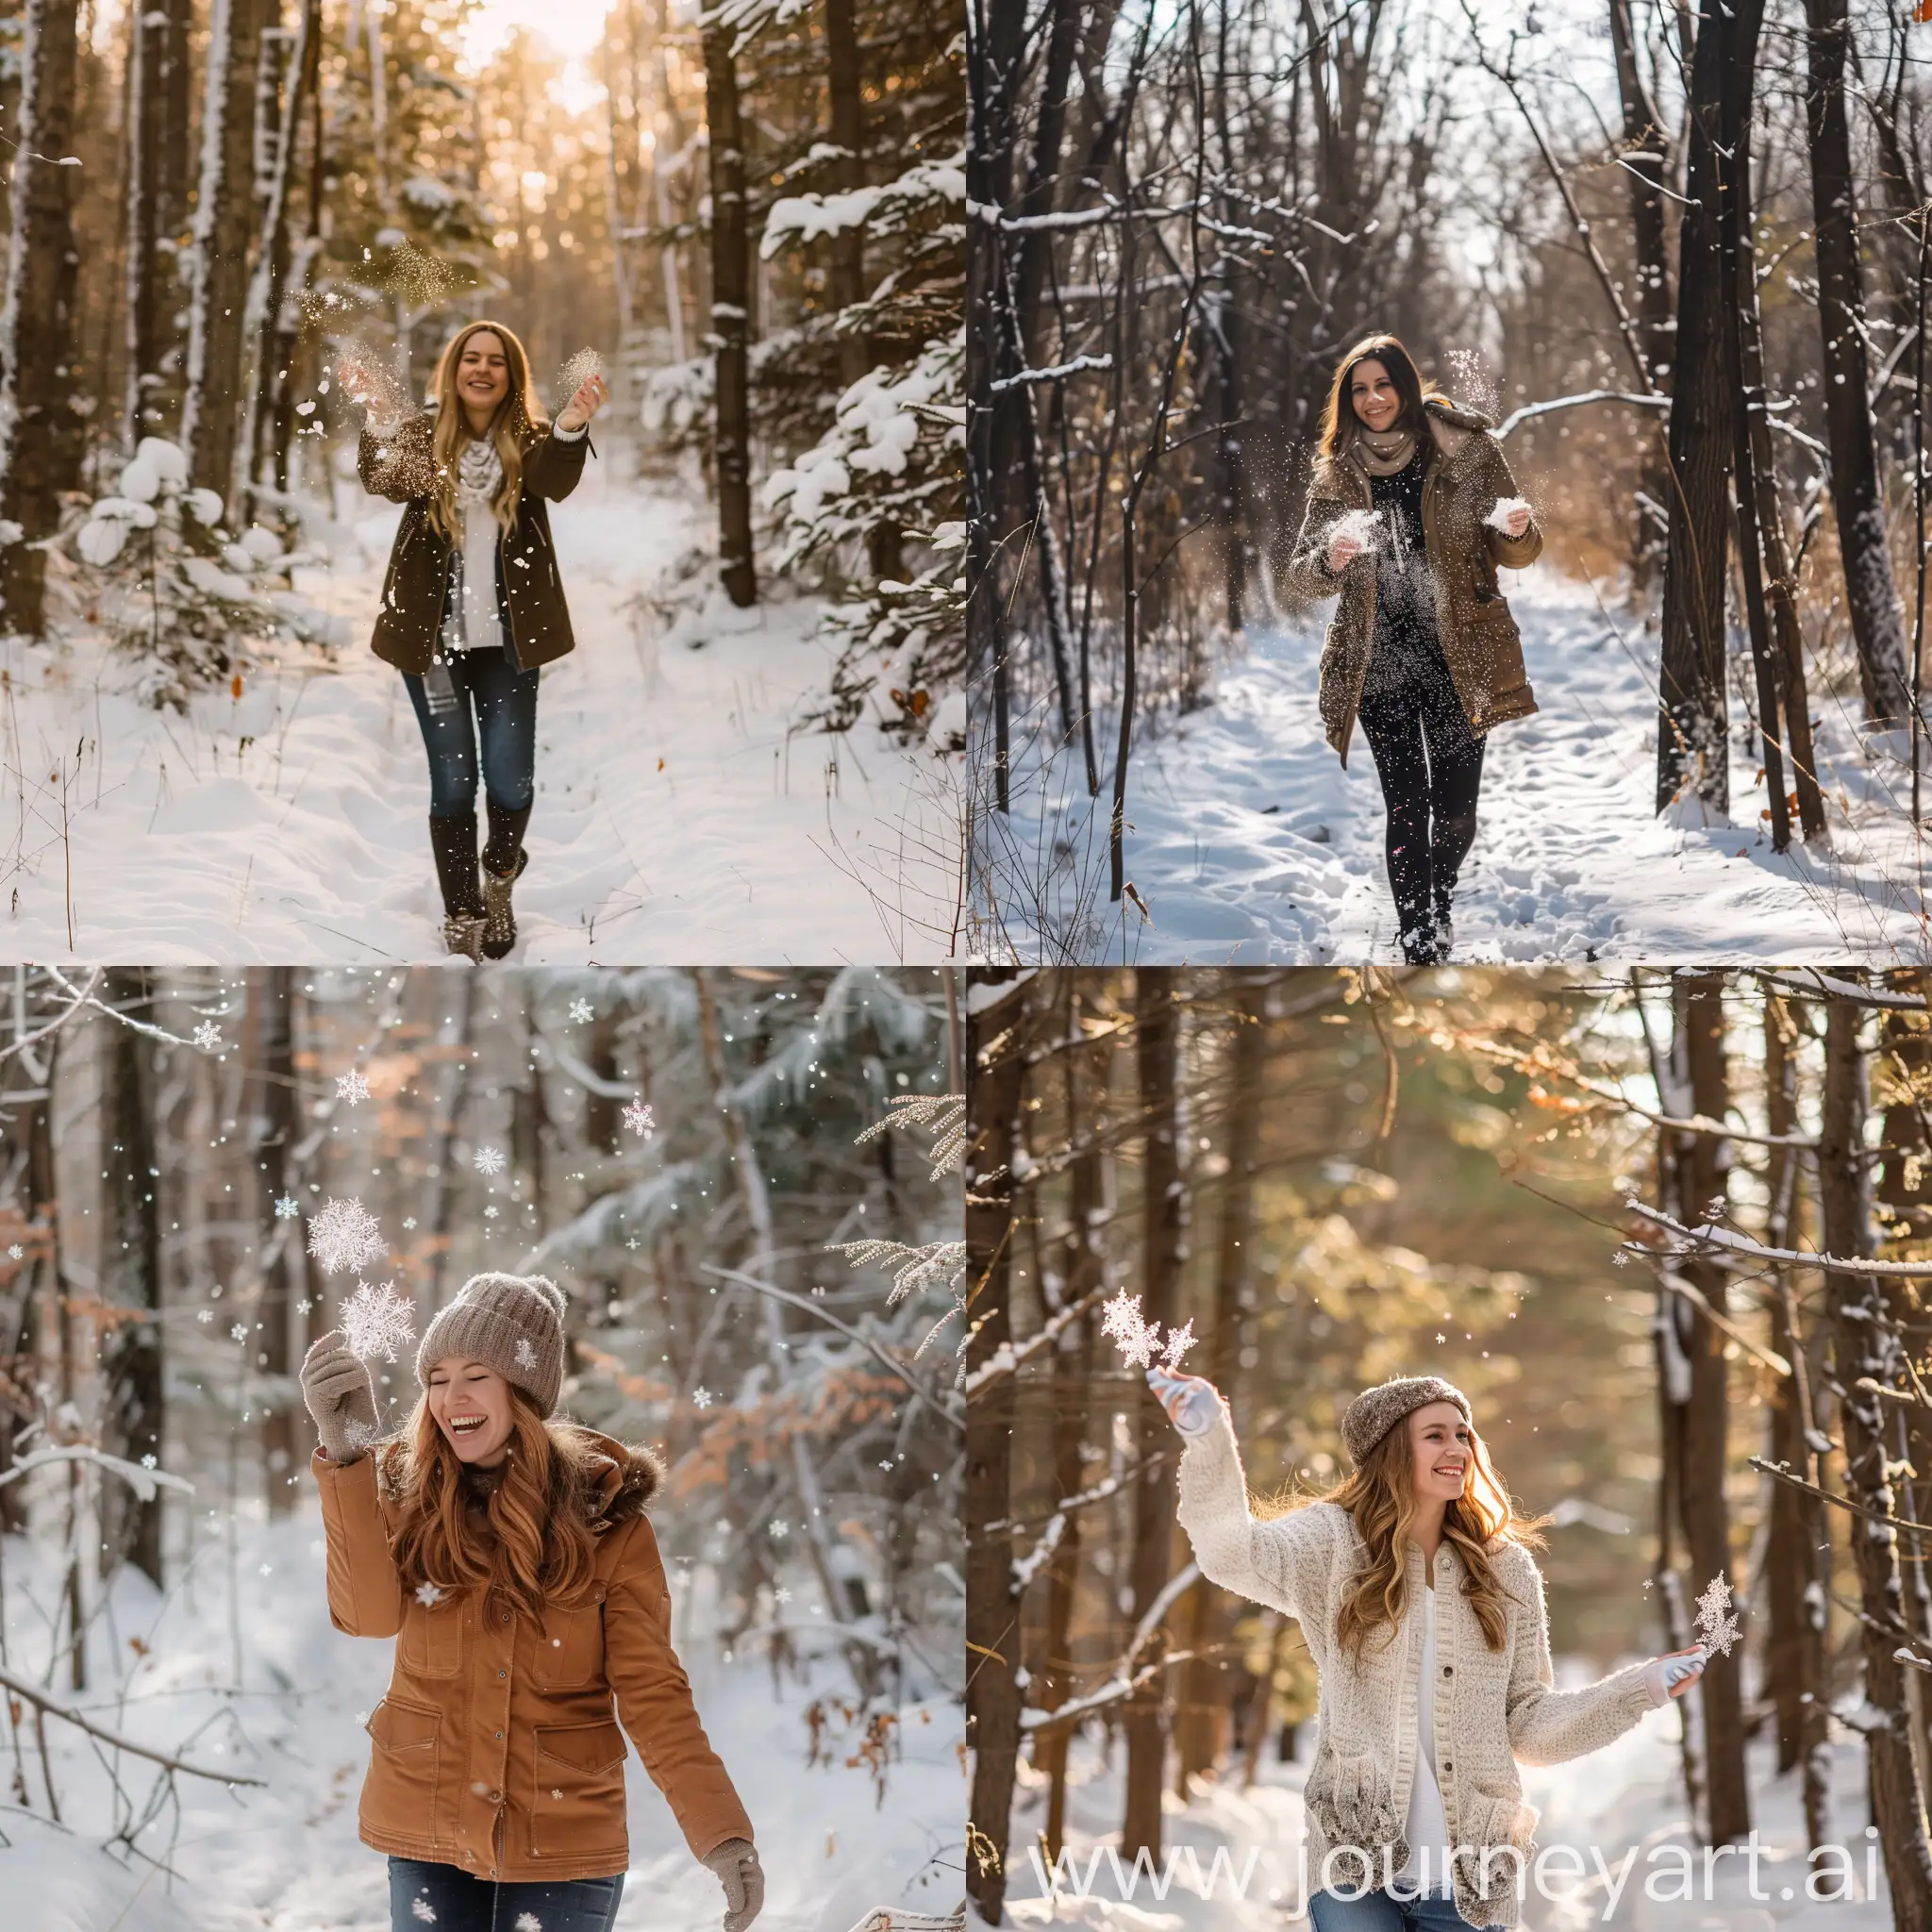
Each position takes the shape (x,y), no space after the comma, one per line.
(1622,1804)
(1250,844)
(676,820)
(287,1858)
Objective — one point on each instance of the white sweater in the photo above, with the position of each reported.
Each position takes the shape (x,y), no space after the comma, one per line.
(1493,1707)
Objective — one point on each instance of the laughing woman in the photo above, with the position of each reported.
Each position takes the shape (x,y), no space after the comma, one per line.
(510,1556)
(1423,648)
(472,604)
(1423,1609)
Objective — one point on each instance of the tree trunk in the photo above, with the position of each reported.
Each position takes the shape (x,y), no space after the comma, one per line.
(992,1610)
(41,445)
(730,316)
(273,1124)
(843,78)
(1157,1027)
(224,222)
(1857,501)
(130,1248)
(1692,748)
(1702,1171)
(1866,1346)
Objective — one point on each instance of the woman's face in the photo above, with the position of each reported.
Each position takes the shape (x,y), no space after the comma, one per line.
(472,1407)
(1376,402)
(1439,1443)
(483,372)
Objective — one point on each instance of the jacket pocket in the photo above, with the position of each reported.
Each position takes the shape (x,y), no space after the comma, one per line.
(406,1762)
(569,1644)
(1498,1823)
(431,1641)
(577,1805)
(1352,1802)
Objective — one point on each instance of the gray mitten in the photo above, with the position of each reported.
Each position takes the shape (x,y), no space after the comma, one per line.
(1192,1403)
(735,1863)
(341,1397)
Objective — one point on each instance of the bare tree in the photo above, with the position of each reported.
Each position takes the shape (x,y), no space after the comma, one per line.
(730,313)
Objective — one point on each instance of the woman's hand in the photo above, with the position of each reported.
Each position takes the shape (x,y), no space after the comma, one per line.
(341,1398)
(736,1864)
(1517,522)
(1343,548)
(592,393)
(1191,1401)
(1679,1679)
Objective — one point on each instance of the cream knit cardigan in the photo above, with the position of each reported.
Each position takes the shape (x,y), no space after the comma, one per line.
(1493,1707)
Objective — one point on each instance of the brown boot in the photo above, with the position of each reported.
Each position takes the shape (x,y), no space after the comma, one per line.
(499,921)
(463,936)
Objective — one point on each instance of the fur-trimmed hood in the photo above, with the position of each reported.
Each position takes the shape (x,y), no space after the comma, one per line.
(626,1478)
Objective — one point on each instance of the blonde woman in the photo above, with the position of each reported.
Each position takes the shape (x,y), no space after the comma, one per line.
(510,1556)
(1423,1609)
(472,603)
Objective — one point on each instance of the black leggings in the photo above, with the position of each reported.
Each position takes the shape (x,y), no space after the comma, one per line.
(1431,767)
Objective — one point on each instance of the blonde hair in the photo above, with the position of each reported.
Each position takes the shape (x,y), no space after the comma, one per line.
(518,414)
(537,1547)
(1380,1496)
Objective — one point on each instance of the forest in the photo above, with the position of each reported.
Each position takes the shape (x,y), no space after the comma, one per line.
(1676,257)
(1667,1231)
(745,1182)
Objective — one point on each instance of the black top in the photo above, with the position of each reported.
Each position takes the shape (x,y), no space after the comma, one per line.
(1407,650)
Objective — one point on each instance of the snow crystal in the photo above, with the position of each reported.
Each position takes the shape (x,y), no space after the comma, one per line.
(1717,1631)
(428,1595)
(208,1036)
(529,1921)
(636,1117)
(287,1207)
(422,1911)
(580,1009)
(377,1320)
(489,1160)
(1139,1341)
(702,1398)
(1364,526)
(343,1234)
(351,1086)
(527,1356)
(1506,507)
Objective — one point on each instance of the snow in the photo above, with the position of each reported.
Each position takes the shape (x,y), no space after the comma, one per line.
(679,818)
(1250,844)
(286,1859)
(1231,1858)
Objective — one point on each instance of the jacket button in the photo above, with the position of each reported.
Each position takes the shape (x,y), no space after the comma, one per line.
(506,1616)
(1448,1669)
(503,1673)
(1447,1767)
(496,1797)
(499,1736)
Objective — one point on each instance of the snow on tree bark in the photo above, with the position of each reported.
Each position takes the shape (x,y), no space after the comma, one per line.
(730,314)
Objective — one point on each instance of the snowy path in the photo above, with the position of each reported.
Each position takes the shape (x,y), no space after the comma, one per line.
(1251,844)
(675,821)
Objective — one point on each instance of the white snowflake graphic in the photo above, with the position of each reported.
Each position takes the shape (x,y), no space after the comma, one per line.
(377,1320)
(238,1332)
(287,1206)
(428,1595)
(14,1251)
(782,1594)
(780,1528)
(1715,1630)
(488,1159)
(208,1036)
(489,1213)
(1139,1341)
(343,1234)
(352,1087)
(422,1911)
(636,1117)
(529,1921)
(527,1356)
(203,1316)
(702,1398)
(580,1010)
(360,1434)
(409,1220)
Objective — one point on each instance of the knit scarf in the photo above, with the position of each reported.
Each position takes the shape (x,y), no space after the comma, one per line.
(479,471)
(1381,453)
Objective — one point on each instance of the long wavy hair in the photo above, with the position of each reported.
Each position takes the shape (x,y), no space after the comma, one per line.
(520,411)
(534,1547)
(1380,1495)
(1340,422)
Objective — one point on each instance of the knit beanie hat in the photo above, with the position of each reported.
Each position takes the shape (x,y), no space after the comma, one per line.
(512,1322)
(1377,1410)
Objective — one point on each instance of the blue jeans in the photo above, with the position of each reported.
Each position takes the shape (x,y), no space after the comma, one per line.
(1377,1911)
(421,1895)
(495,703)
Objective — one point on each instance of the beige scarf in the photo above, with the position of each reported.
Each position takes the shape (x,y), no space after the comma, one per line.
(1382,453)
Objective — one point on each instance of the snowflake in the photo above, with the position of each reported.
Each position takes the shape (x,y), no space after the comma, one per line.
(1621,1258)
(702,1398)
(490,1214)
(428,1595)
(783,1595)
(780,1527)
(527,1356)
(287,1206)
(423,1912)
(1717,1631)
(377,1320)
(409,1220)
(636,1117)
(343,1234)
(488,1159)
(529,1921)
(351,1087)
(238,1332)
(204,1316)
(360,1434)
(208,1036)
(580,1010)
(14,1251)
(1139,1341)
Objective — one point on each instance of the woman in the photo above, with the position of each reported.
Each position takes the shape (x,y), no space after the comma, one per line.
(472,603)
(1423,648)
(1423,1609)
(510,1556)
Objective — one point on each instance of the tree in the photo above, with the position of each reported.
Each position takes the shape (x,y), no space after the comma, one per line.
(156,198)
(730,313)
(39,439)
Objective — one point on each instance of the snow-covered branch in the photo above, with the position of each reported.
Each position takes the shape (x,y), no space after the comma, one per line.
(1053,375)
(1781,1472)
(143,1480)
(1705,1237)
(1006,1358)
(55,1706)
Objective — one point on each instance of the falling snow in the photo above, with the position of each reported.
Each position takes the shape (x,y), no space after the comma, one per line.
(580,1010)
(377,1322)
(489,1160)
(423,1912)
(287,1207)
(343,1234)
(352,1087)
(1139,1341)
(702,1398)
(636,1117)
(428,1595)
(208,1036)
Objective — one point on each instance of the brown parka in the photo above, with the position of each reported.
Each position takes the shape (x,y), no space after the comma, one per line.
(401,465)
(1467,475)
(496,1748)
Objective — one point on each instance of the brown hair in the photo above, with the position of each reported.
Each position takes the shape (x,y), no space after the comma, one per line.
(1339,418)
(519,412)
(537,1546)
(1380,1496)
